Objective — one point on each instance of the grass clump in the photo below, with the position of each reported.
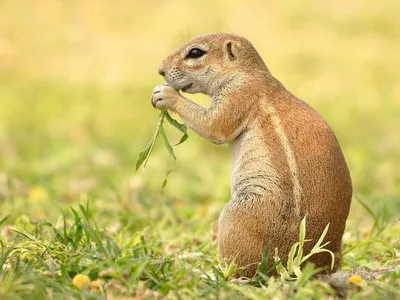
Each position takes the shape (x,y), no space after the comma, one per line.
(296,258)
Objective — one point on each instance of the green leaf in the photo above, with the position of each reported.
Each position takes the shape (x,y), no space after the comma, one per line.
(76,216)
(166,179)
(28,236)
(264,260)
(229,270)
(321,239)
(273,267)
(307,273)
(366,207)
(167,144)
(144,155)
(64,223)
(366,243)
(84,211)
(302,236)
(247,293)
(297,271)
(280,268)
(183,138)
(4,218)
(316,251)
(181,127)
(138,270)
(291,257)
(78,235)
(4,256)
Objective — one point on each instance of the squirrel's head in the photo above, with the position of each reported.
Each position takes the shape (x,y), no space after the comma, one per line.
(206,63)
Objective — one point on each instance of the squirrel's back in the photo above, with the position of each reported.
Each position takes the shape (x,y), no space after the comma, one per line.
(288,164)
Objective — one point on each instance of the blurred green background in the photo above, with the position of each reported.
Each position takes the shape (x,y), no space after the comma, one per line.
(77,76)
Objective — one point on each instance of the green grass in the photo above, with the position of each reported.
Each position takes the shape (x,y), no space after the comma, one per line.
(136,257)
(75,86)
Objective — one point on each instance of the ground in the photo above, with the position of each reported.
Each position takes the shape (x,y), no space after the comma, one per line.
(77,221)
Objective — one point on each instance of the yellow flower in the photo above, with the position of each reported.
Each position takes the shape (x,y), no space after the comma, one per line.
(355,279)
(81,281)
(38,194)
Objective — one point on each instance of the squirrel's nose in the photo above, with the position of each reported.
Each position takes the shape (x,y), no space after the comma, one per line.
(161,69)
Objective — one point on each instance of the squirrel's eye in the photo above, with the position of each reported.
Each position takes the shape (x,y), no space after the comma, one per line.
(195,53)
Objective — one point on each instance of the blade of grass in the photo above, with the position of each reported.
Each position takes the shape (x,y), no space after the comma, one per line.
(166,179)
(366,207)
(181,127)
(4,218)
(291,257)
(264,260)
(144,155)
(321,239)
(28,236)
(388,246)
(167,144)
(4,257)
(302,236)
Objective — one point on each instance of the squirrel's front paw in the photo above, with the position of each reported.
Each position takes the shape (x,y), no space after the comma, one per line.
(165,97)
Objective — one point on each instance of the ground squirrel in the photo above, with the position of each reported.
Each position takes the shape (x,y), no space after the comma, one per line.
(287,162)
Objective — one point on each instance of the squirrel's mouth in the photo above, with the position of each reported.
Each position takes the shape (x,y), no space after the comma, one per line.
(186,87)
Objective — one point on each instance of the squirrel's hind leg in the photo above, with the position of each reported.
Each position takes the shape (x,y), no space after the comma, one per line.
(242,238)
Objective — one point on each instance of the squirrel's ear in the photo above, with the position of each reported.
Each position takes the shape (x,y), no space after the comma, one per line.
(231,49)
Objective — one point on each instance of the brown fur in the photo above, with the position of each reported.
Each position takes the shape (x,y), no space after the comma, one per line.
(287,163)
